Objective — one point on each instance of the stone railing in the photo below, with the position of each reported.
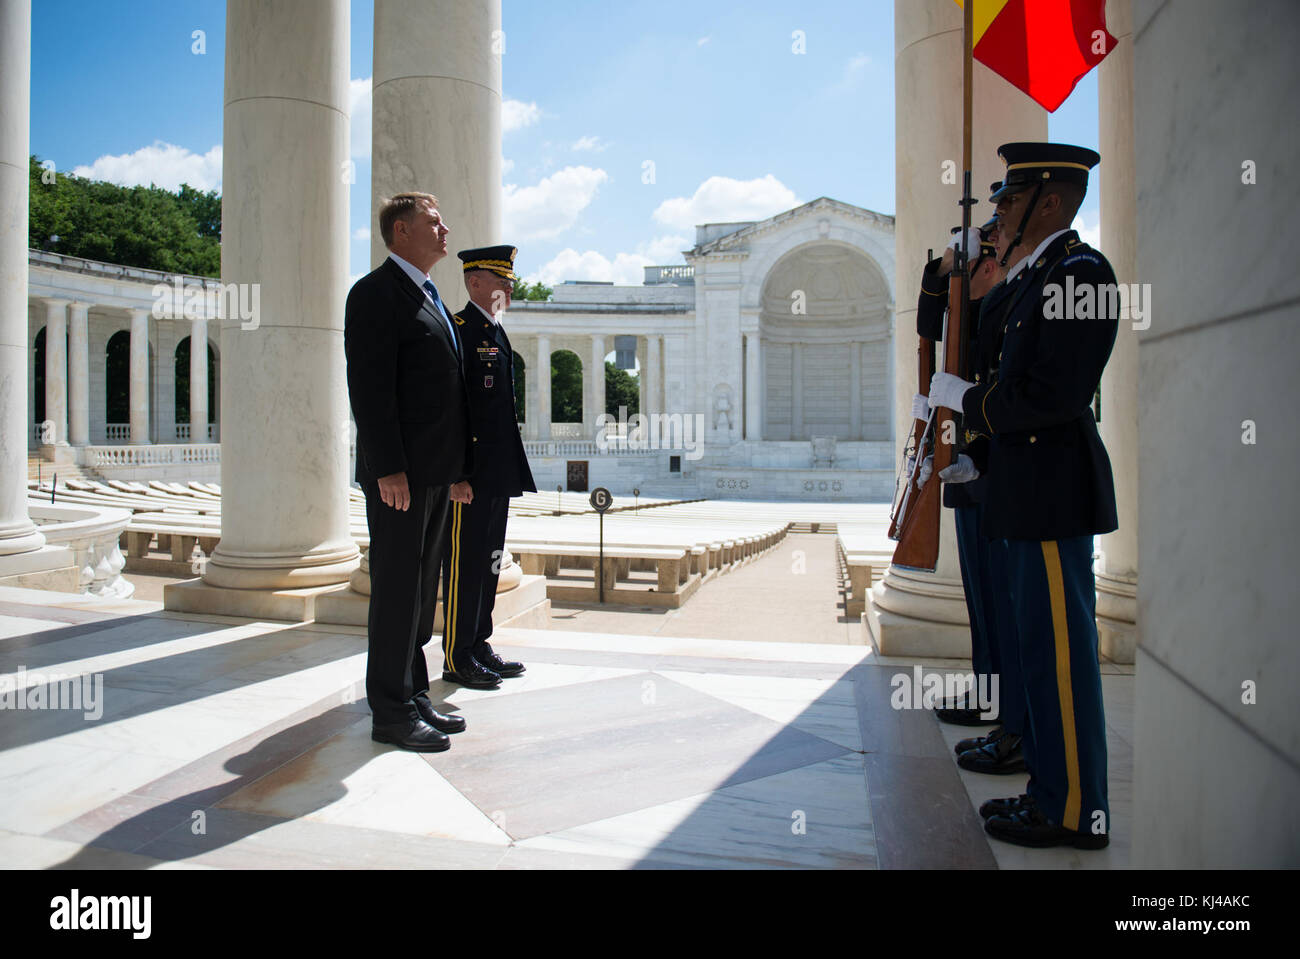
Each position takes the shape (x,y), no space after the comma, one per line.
(566,431)
(585,448)
(93,534)
(183,432)
(115,432)
(107,457)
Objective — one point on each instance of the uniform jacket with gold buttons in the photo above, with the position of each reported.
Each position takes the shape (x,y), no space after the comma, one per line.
(1048,473)
(500,464)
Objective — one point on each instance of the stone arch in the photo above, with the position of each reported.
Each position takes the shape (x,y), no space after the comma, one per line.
(824,319)
(181,359)
(566,386)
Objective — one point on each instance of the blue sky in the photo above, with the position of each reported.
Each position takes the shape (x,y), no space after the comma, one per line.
(737,125)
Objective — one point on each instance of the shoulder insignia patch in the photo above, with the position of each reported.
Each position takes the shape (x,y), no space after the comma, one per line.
(1083,256)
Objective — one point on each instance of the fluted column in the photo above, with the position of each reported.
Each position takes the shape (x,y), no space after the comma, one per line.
(915,613)
(199,380)
(139,377)
(79,374)
(18,534)
(543,388)
(753,386)
(597,381)
(855,390)
(437,118)
(1118,563)
(56,371)
(653,402)
(284,452)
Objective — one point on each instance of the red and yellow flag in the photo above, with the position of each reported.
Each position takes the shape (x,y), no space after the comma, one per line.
(1043,47)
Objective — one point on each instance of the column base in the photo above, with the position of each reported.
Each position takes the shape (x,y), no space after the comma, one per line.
(20,538)
(330,565)
(917,614)
(525,605)
(1117,631)
(894,635)
(44,567)
(285,605)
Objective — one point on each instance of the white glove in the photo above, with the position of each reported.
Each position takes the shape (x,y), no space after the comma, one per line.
(908,467)
(973,239)
(947,390)
(921,408)
(927,467)
(962,471)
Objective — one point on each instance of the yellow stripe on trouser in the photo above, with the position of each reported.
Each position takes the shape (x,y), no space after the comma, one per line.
(453,590)
(1061,631)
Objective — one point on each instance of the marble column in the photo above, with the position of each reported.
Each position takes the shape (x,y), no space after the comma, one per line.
(56,371)
(79,374)
(18,534)
(1118,563)
(753,386)
(437,119)
(855,390)
(543,388)
(597,378)
(653,402)
(796,392)
(139,377)
(199,380)
(925,613)
(284,456)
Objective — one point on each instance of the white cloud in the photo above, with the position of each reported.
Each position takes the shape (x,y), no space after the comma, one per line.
(516,114)
(506,166)
(590,143)
(361,233)
(625,269)
(359,101)
(702,41)
(552,206)
(161,164)
(1088,234)
(721,199)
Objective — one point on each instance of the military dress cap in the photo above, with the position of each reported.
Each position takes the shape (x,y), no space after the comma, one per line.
(499,259)
(1031,163)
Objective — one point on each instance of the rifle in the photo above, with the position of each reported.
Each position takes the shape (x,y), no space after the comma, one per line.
(917,525)
(905,483)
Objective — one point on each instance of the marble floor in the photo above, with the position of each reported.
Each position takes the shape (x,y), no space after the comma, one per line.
(228,743)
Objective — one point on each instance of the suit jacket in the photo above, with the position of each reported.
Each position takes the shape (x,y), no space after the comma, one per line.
(1049,475)
(405,383)
(500,463)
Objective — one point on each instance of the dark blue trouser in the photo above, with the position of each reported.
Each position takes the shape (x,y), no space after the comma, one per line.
(1053,591)
(475,541)
(994,648)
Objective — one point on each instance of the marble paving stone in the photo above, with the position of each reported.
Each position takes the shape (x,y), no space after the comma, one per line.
(750,825)
(654,662)
(824,708)
(101,647)
(18,851)
(538,675)
(235,839)
(12,626)
(556,758)
(352,781)
(49,783)
(22,727)
(682,646)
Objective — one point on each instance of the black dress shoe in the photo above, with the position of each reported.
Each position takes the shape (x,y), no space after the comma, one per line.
(1001,756)
(502,667)
(473,676)
(1027,826)
(1004,807)
(413,734)
(975,742)
(965,717)
(439,721)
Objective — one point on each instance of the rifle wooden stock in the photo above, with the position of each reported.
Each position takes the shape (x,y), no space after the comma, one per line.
(918,541)
(925,372)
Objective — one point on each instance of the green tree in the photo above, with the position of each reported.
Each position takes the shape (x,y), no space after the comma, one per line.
(621,389)
(536,291)
(566,387)
(140,226)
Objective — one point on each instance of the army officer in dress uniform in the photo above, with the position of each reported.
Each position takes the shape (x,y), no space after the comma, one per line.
(476,542)
(1050,488)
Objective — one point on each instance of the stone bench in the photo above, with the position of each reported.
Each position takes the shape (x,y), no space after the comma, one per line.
(674,579)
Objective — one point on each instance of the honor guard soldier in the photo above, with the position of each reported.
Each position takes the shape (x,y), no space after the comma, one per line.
(476,542)
(1050,489)
(994,648)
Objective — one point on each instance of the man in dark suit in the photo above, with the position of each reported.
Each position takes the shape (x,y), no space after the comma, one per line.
(1049,486)
(414,453)
(478,529)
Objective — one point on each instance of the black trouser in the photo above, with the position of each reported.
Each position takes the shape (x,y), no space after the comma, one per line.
(406,548)
(475,545)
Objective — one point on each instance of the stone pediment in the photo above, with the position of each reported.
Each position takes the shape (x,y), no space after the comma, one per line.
(736,241)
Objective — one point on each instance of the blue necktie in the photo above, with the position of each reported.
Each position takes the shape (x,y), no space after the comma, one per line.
(442,311)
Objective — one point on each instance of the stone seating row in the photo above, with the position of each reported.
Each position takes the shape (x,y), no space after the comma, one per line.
(866,552)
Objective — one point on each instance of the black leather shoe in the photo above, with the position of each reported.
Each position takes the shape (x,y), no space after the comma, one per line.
(1001,756)
(439,721)
(473,676)
(975,742)
(501,667)
(414,734)
(1027,826)
(1004,807)
(965,717)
